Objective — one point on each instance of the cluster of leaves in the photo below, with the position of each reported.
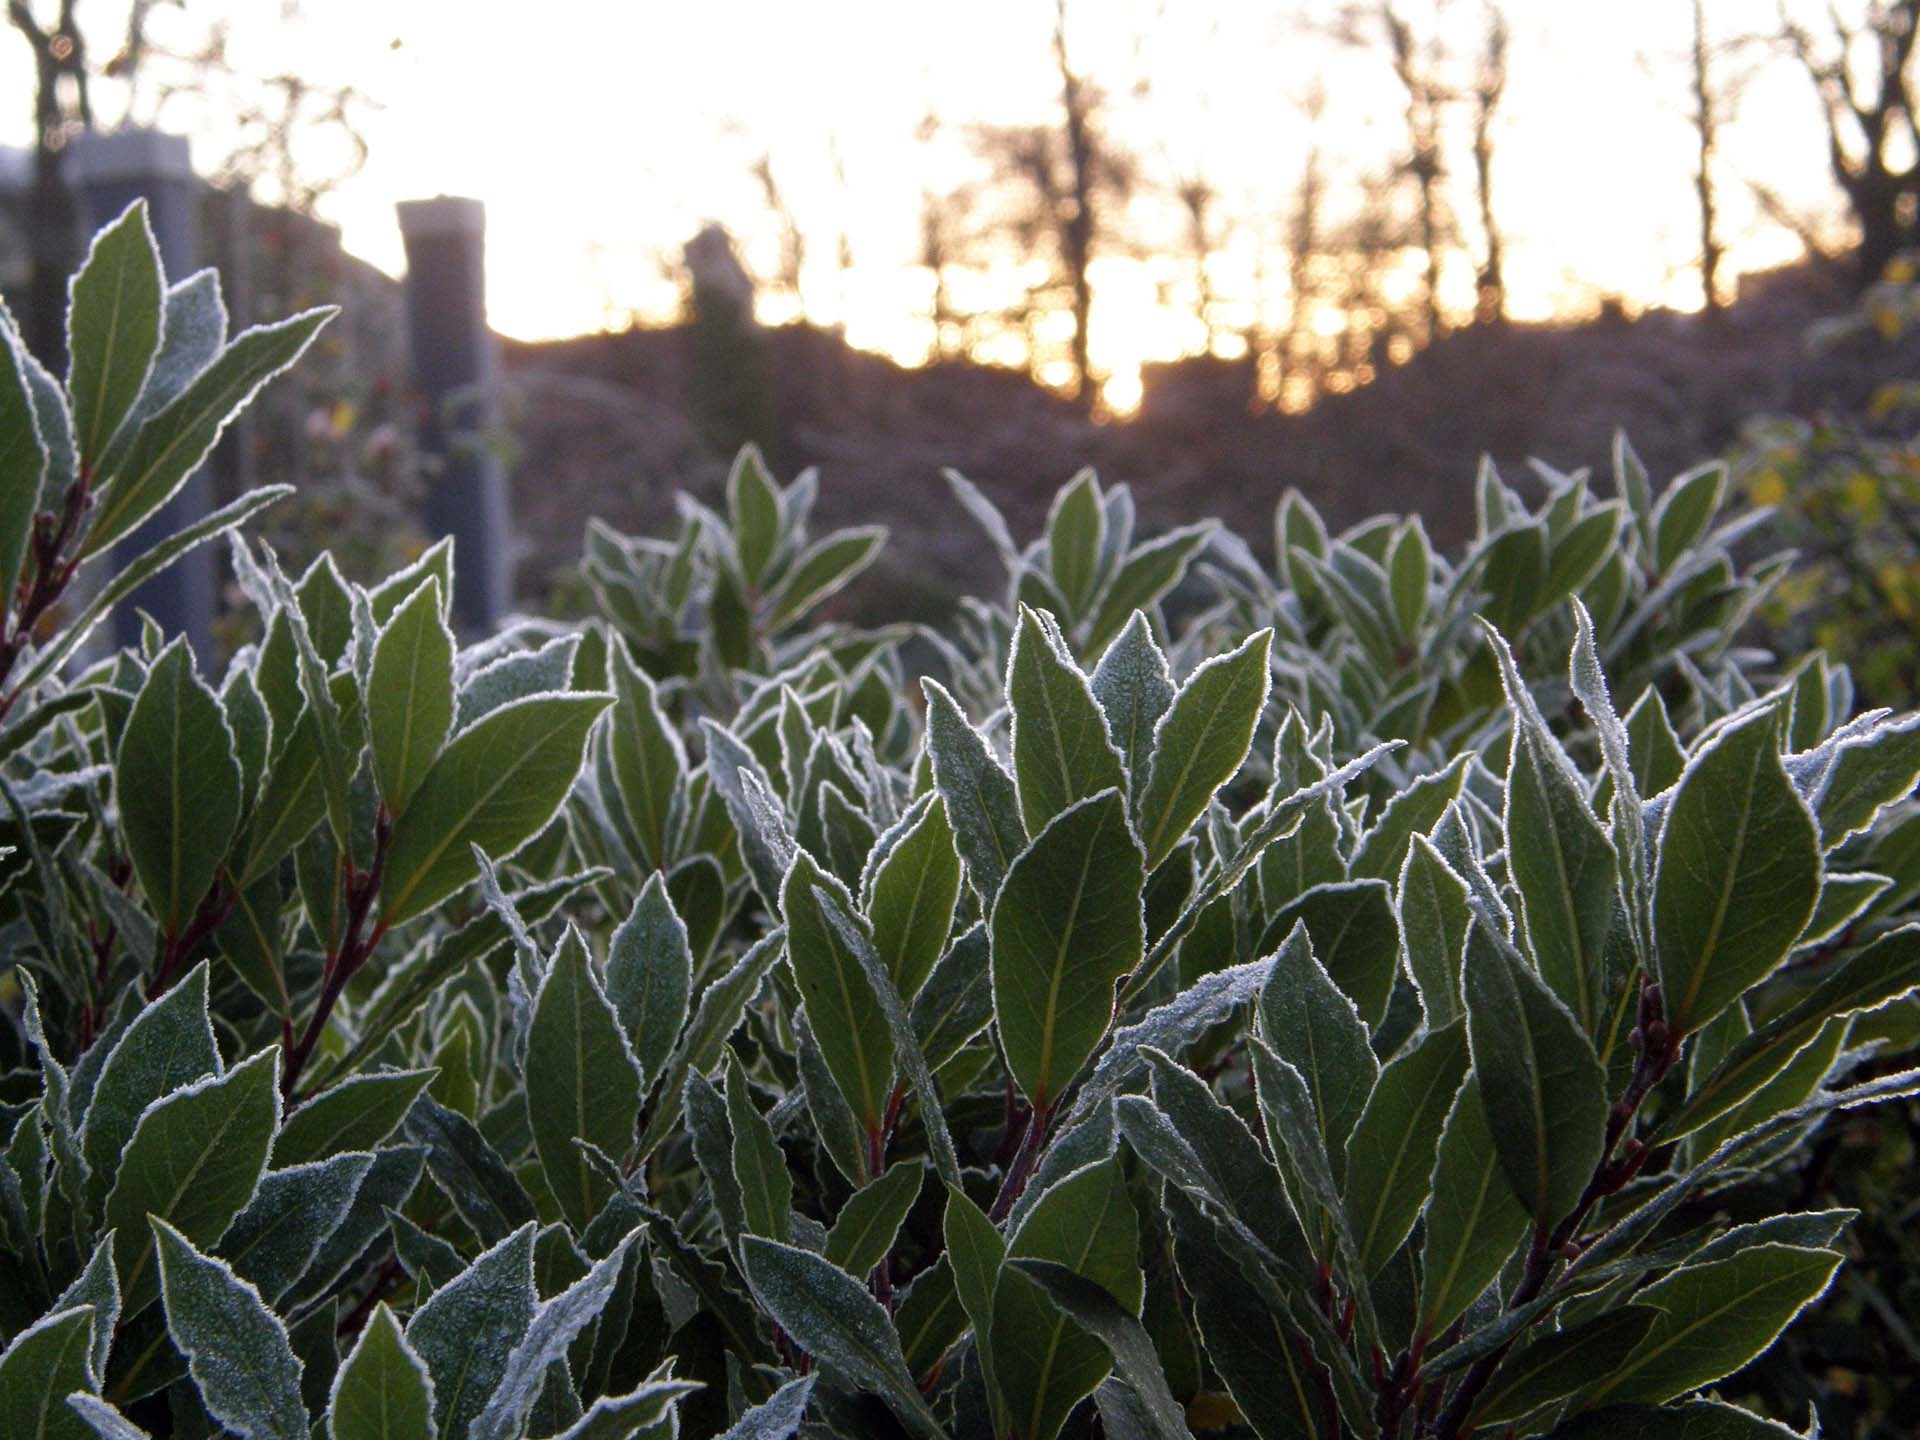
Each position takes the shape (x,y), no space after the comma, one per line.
(1846,488)
(680,1024)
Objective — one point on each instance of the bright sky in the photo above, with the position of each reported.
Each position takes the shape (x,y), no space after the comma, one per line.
(602,133)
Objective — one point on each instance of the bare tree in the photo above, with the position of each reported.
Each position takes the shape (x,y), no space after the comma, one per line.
(1417,65)
(1706,129)
(1304,244)
(1489,86)
(1064,184)
(793,241)
(1076,217)
(62,104)
(1862,72)
(1198,201)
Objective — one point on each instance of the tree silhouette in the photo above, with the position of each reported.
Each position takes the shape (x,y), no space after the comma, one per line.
(1863,73)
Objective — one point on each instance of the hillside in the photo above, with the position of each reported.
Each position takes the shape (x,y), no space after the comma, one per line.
(601,426)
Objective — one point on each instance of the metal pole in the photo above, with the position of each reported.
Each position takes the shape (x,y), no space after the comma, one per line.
(453,365)
(109,172)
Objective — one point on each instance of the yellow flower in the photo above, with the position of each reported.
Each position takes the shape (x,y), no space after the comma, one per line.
(1769,487)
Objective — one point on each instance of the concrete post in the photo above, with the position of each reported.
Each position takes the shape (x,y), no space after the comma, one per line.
(108,173)
(454,367)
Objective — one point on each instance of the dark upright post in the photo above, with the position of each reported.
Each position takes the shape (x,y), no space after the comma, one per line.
(453,364)
(109,172)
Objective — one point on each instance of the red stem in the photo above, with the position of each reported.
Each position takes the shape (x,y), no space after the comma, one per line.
(353,951)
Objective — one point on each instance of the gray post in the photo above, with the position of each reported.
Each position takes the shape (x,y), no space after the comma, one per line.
(108,173)
(453,365)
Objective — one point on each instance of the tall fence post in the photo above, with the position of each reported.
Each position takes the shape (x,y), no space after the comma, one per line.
(453,365)
(109,172)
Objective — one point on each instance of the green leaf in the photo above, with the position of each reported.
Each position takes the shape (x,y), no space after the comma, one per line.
(1293,1135)
(845,1013)
(930,1319)
(1094,1310)
(864,1231)
(830,1315)
(467,1331)
(1414,811)
(1076,526)
(193,1161)
(382,1391)
(753,505)
(1714,1318)
(1434,918)
(1868,773)
(979,794)
(169,1044)
(113,328)
(1391,1151)
(1562,1364)
(1061,752)
(1685,511)
(23,461)
(178,786)
(906,1048)
(357,1114)
(462,1163)
(171,445)
(495,786)
(1044,1362)
(1561,860)
(582,1082)
(649,762)
(1200,743)
(977,1251)
(1473,1222)
(759,820)
(1579,554)
(1658,756)
(409,701)
(554,1327)
(1144,578)
(640,1414)
(777,1419)
(1409,571)
(1544,1091)
(98,1286)
(911,894)
(1312,1025)
(766,1189)
(45,1363)
(1134,689)
(650,977)
(1066,926)
(710,1138)
(103,1420)
(1263,1359)
(1206,1149)
(1696,1420)
(1356,937)
(824,568)
(236,1348)
(1172,1027)
(714,1019)
(272,1242)
(1738,874)
(515,676)
(1878,975)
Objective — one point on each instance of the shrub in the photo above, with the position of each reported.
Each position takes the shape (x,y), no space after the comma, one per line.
(1846,484)
(1318,1017)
